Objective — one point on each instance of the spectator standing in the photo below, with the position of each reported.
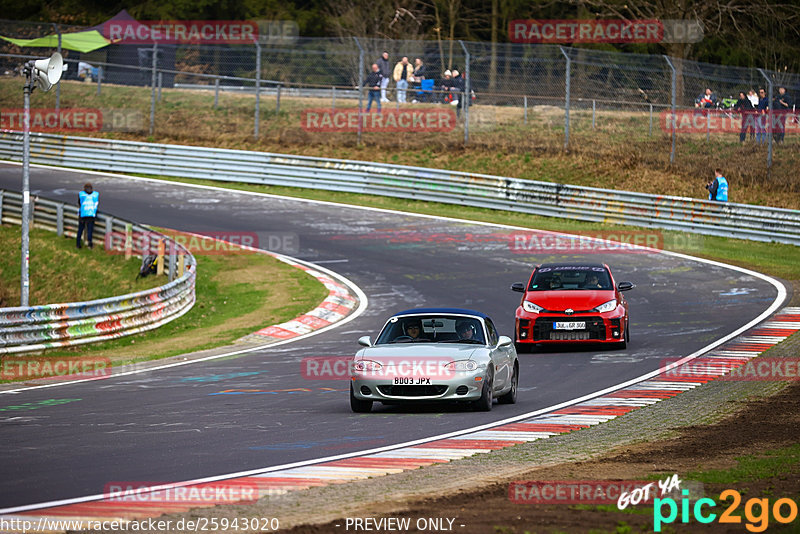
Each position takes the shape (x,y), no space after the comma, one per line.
(458,90)
(763,118)
(753,98)
(88,201)
(446,86)
(403,73)
(718,188)
(419,75)
(374,81)
(782,106)
(745,109)
(706,100)
(386,71)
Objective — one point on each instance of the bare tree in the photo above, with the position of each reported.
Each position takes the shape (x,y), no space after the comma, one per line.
(381,19)
(730,20)
(755,22)
(455,18)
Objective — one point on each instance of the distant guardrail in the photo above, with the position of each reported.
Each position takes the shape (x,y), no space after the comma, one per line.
(35,328)
(727,219)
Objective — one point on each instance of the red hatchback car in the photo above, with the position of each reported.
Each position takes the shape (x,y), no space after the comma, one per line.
(571,303)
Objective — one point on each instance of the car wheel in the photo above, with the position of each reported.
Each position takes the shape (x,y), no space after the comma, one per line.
(358,405)
(523,348)
(511,396)
(626,337)
(484,404)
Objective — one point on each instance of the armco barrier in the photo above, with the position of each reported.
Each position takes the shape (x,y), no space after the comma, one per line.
(540,198)
(34,328)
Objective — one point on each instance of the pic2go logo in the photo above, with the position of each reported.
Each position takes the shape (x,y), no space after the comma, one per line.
(783,510)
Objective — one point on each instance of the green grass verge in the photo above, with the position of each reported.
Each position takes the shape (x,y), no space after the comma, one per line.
(236,294)
(212,321)
(59,272)
(753,467)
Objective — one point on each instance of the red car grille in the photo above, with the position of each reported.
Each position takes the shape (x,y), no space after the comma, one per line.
(543,329)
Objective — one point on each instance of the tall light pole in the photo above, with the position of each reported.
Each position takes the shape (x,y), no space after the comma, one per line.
(42,73)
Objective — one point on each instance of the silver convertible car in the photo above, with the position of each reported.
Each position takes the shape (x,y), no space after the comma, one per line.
(435,354)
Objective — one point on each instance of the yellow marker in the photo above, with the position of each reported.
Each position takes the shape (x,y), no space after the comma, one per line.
(160,261)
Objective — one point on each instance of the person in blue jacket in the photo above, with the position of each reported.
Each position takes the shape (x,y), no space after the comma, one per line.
(88,201)
(718,188)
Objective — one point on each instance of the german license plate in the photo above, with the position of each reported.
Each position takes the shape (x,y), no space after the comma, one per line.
(572,325)
(411,381)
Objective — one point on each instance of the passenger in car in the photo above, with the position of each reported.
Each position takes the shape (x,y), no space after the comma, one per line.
(466,330)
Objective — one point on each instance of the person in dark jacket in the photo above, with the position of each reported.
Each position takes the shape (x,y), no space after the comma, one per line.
(782,106)
(745,108)
(763,117)
(446,86)
(707,100)
(373,81)
(419,75)
(386,72)
(458,91)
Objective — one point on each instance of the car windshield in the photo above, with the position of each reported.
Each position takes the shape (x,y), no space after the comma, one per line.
(432,329)
(570,277)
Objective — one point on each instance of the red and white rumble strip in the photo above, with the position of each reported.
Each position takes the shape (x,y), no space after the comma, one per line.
(670,383)
(337,305)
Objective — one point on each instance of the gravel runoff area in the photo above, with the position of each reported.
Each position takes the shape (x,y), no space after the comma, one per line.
(703,428)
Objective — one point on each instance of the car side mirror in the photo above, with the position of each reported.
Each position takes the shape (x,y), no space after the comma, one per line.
(625,286)
(519,287)
(504,341)
(365,341)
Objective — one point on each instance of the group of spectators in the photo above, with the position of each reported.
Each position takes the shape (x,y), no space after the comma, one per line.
(415,77)
(754,108)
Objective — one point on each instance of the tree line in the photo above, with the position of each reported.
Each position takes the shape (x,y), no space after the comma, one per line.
(746,33)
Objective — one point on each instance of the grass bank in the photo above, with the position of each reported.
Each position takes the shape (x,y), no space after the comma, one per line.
(236,294)
(59,272)
(619,152)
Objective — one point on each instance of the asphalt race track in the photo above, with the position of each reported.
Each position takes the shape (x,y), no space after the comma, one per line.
(176,424)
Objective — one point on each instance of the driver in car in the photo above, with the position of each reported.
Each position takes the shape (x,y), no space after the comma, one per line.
(592,282)
(413,329)
(466,330)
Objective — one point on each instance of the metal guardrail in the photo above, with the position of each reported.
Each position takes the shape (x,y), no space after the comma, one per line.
(742,221)
(34,328)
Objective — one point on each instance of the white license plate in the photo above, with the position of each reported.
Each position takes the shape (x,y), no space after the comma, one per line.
(411,381)
(574,325)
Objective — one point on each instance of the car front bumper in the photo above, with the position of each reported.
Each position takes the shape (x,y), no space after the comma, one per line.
(464,386)
(599,328)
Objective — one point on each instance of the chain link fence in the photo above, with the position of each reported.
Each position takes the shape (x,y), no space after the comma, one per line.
(537,96)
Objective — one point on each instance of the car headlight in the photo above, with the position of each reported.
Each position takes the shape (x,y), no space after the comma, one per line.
(461,365)
(530,307)
(366,365)
(611,305)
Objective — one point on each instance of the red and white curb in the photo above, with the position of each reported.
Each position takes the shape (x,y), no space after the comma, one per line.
(345,302)
(339,303)
(602,408)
